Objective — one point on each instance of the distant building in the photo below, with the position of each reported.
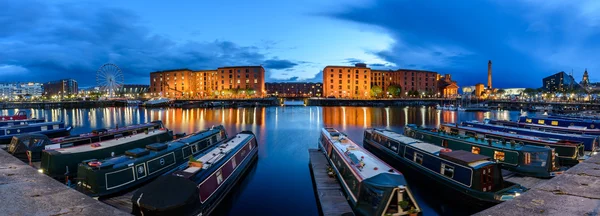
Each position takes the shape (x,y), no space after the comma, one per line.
(559,82)
(490,74)
(132,89)
(513,91)
(447,87)
(62,87)
(357,81)
(294,89)
(222,82)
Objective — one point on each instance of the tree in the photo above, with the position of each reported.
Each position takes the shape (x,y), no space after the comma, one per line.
(395,90)
(376,91)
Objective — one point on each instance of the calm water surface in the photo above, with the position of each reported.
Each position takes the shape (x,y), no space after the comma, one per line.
(280,183)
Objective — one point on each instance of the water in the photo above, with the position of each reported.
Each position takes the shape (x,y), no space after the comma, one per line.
(280,183)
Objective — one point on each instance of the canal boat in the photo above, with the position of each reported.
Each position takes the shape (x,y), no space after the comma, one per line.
(62,162)
(197,187)
(372,186)
(20,122)
(589,137)
(568,150)
(475,177)
(104,177)
(29,147)
(526,160)
(560,121)
(50,129)
(20,115)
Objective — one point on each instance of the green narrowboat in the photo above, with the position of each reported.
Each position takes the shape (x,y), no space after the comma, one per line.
(526,160)
(104,177)
(61,163)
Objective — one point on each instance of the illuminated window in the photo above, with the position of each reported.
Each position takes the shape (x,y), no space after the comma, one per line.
(527,158)
(528,120)
(554,123)
(498,155)
(219,177)
(475,150)
(541,121)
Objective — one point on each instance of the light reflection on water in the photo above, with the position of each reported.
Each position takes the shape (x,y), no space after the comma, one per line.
(280,182)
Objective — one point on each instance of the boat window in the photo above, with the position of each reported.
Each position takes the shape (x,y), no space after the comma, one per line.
(541,121)
(555,123)
(194,148)
(418,158)
(445,143)
(538,159)
(54,127)
(498,155)
(475,150)
(447,170)
(233,162)
(528,120)
(219,177)
(44,128)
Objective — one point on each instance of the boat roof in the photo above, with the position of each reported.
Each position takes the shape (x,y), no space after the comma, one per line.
(217,153)
(344,144)
(505,134)
(465,158)
(433,149)
(106,131)
(30,125)
(106,144)
(530,130)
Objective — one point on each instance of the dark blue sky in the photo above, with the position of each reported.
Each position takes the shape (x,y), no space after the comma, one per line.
(526,40)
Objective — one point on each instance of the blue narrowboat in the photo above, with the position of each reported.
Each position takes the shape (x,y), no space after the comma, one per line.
(115,174)
(197,187)
(560,121)
(20,122)
(34,144)
(473,176)
(50,129)
(589,137)
(528,160)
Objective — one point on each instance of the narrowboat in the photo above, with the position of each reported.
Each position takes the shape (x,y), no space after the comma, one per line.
(33,144)
(473,176)
(20,115)
(50,129)
(197,187)
(104,177)
(372,186)
(589,137)
(569,152)
(62,162)
(20,122)
(560,121)
(526,160)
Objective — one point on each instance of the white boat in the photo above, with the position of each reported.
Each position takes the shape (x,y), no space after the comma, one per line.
(157,101)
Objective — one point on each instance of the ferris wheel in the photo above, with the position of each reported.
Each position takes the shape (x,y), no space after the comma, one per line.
(109,78)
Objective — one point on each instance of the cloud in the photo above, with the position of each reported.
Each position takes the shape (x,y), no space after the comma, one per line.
(54,41)
(279,64)
(524,39)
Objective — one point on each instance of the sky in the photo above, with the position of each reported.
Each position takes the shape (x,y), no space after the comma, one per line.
(294,40)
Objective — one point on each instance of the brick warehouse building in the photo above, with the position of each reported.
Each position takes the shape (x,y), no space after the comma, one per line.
(238,81)
(357,81)
(294,89)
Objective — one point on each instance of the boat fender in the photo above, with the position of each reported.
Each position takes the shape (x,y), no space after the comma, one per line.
(94,163)
(446,150)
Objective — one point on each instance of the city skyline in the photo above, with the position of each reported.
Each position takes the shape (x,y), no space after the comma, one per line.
(71,39)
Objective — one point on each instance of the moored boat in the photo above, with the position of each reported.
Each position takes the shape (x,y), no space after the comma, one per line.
(568,147)
(372,186)
(197,187)
(20,115)
(50,129)
(136,166)
(472,175)
(33,144)
(560,121)
(62,162)
(526,160)
(591,134)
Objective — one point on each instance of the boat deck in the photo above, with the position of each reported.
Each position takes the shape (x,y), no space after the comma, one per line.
(329,194)
(372,165)
(109,143)
(529,130)
(505,134)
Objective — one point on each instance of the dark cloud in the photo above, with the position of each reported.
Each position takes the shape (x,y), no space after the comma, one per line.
(279,64)
(46,42)
(524,40)
(352,61)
